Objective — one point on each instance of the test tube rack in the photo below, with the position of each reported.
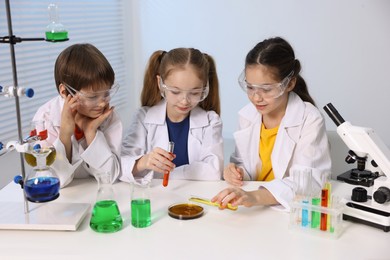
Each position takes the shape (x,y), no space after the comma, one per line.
(302,219)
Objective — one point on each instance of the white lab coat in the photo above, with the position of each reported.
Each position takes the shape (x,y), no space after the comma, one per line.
(301,142)
(149,130)
(103,154)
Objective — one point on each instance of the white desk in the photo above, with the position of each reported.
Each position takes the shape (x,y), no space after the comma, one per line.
(248,233)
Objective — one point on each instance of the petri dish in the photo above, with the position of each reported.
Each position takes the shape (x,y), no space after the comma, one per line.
(185,211)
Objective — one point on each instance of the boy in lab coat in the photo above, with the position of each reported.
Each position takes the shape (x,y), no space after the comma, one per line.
(85,131)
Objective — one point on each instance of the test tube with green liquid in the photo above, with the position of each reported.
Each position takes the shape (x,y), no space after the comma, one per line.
(315,215)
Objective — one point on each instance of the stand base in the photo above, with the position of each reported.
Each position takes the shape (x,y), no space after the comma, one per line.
(365,214)
(44,216)
(356,177)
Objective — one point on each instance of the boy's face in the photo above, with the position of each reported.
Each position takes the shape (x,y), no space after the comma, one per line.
(93,103)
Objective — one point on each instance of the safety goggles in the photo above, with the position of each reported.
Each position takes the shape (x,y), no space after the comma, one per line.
(193,96)
(93,99)
(274,90)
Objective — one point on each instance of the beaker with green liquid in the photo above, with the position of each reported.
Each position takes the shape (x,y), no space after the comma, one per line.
(106,217)
(140,203)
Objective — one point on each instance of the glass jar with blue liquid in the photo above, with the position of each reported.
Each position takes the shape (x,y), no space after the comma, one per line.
(41,184)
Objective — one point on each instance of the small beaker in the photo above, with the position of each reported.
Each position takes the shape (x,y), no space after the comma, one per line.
(106,217)
(140,203)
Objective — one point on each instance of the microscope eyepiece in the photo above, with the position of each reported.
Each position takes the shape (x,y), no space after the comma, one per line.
(334,114)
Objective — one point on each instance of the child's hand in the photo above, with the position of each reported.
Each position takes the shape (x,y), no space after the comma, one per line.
(68,114)
(235,196)
(158,160)
(233,175)
(90,125)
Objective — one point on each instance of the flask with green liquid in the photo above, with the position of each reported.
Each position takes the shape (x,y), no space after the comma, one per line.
(55,31)
(106,217)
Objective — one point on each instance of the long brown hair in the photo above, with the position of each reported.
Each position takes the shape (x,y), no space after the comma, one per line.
(163,63)
(278,54)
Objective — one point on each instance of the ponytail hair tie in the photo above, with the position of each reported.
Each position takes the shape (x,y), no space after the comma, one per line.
(162,55)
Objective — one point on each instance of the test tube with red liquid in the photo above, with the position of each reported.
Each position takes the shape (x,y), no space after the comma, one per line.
(171,146)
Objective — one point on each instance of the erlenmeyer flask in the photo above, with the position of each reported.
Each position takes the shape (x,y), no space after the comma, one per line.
(41,184)
(106,217)
(55,31)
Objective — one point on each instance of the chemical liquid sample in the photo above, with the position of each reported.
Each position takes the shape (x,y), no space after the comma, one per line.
(324,216)
(42,189)
(106,217)
(41,183)
(315,215)
(141,213)
(55,31)
(31,159)
(140,203)
(305,214)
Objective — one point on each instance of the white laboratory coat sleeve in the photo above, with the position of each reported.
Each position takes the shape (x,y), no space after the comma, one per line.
(148,130)
(103,154)
(301,142)
(134,145)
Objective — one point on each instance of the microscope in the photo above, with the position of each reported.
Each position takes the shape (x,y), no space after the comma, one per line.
(365,145)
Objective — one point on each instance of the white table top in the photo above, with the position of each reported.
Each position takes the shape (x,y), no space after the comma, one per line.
(248,233)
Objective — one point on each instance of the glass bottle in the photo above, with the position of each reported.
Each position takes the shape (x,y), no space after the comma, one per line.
(106,217)
(41,184)
(55,31)
(140,203)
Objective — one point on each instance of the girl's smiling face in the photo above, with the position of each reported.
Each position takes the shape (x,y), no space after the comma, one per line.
(182,89)
(268,107)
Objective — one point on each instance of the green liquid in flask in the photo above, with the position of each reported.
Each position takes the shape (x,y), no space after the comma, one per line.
(106,217)
(57,36)
(140,213)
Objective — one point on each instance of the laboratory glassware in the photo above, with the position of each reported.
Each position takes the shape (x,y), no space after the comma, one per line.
(41,183)
(55,31)
(106,217)
(140,203)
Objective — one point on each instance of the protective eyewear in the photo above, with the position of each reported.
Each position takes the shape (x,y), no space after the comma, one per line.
(193,96)
(274,90)
(93,98)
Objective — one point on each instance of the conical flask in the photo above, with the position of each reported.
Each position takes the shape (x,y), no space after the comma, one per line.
(41,183)
(55,31)
(106,217)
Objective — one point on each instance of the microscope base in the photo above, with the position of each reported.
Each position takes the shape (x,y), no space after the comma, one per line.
(366,214)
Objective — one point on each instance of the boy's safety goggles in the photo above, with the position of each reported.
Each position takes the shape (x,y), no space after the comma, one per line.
(91,99)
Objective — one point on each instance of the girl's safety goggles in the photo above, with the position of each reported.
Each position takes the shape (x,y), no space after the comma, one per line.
(274,90)
(193,96)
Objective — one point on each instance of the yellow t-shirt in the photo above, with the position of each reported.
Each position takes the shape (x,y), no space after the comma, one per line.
(266,145)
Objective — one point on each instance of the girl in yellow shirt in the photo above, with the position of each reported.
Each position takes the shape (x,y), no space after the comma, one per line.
(279,129)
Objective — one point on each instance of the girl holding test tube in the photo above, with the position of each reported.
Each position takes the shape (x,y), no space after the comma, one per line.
(180,104)
(279,129)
